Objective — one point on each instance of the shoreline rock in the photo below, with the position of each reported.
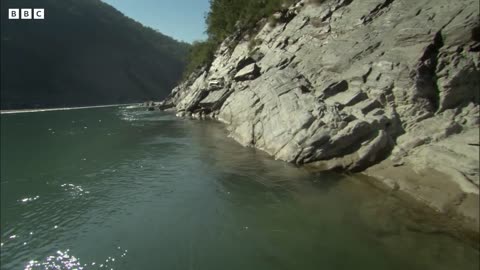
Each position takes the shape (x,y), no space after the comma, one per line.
(386,87)
(452,208)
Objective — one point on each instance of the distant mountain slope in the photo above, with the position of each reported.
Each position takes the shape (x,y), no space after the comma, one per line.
(85,52)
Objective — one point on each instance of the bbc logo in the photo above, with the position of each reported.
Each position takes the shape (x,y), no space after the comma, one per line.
(26,13)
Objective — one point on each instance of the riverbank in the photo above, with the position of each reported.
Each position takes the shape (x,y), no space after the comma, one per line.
(447,207)
(381,87)
(431,175)
(440,201)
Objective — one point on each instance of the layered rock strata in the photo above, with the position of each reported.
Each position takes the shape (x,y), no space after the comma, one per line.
(388,87)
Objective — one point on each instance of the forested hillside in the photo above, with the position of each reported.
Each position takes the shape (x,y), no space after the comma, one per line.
(84,53)
(227,16)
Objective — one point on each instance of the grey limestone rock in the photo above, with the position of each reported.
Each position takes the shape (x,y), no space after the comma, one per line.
(249,72)
(348,84)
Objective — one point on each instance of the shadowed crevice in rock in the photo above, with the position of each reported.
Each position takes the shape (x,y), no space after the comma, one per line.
(334,89)
(426,79)
(376,11)
(475,47)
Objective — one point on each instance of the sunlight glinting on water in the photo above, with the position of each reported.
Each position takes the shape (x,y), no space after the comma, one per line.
(180,194)
(62,260)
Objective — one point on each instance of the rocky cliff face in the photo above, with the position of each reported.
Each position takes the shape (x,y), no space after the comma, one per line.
(390,86)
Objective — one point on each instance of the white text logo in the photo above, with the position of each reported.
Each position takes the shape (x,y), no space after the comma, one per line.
(26,13)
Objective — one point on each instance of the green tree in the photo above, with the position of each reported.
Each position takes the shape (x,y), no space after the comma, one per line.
(224,18)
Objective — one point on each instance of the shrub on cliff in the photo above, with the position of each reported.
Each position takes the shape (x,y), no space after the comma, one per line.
(254,42)
(224,18)
(201,54)
(226,15)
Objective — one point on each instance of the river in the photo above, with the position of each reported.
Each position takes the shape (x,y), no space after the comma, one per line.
(123,188)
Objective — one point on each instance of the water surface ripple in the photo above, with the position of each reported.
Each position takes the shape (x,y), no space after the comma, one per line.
(123,188)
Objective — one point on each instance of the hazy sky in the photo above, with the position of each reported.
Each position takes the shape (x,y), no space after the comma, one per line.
(180,19)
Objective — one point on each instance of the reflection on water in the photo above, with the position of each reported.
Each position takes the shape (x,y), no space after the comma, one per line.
(96,185)
(63,260)
(74,190)
(31,199)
